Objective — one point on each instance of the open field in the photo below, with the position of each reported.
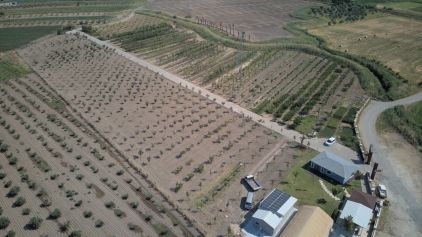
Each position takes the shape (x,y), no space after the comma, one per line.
(58,163)
(391,40)
(190,155)
(12,38)
(261,20)
(414,6)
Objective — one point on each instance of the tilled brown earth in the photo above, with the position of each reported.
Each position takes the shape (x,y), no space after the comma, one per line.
(186,145)
(261,20)
(23,111)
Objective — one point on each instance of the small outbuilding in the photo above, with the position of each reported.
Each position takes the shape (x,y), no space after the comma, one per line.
(309,221)
(334,167)
(274,213)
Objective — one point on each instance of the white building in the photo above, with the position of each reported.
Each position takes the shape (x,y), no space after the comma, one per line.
(272,216)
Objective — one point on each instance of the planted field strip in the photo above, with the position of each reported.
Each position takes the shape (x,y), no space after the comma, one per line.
(130,25)
(53,21)
(249,15)
(9,70)
(14,37)
(60,10)
(156,124)
(201,62)
(41,15)
(273,86)
(64,4)
(390,40)
(280,83)
(61,167)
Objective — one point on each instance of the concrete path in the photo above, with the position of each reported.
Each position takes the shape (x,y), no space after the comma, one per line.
(404,198)
(328,191)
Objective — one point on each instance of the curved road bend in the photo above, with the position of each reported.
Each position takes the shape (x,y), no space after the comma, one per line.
(398,191)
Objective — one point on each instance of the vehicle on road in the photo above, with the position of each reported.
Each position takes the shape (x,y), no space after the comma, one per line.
(330,141)
(382,191)
(252,182)
(248,202)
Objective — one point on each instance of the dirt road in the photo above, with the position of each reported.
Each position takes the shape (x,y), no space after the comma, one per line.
(407,201)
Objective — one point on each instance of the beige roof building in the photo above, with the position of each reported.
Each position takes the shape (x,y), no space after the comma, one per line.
(309,221)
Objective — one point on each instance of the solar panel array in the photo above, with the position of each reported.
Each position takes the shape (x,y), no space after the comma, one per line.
(275,200)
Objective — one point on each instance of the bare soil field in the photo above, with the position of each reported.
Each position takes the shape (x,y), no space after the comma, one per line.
(261,20)
(189,148)
(57,163)
(394,41)
(270,79)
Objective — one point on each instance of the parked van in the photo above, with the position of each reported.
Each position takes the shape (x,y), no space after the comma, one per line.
(249,199)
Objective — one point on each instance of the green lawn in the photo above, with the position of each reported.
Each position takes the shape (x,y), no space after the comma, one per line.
(11,38)
(10,70)
(326,132)
(306,187)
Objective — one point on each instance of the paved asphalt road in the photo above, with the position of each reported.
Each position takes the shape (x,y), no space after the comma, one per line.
(397,190)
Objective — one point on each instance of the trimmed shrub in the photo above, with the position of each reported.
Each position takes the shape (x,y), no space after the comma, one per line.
(11,233)
(87,214)
(20,201)
(99,223)
(56,213)
(76,233)
(35,222)
(26,211)
(4,222)
(14,191)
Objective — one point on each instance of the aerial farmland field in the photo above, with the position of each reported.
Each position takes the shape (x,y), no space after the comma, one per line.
(144,123)
(65,176)
(190,155)
(261,20)
(390,40)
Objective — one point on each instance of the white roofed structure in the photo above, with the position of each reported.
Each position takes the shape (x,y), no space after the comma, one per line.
(360,213)
(272,216)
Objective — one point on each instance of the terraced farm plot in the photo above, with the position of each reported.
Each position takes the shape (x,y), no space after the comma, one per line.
(178,50)
(56,162)
(138,20)
(261,20)
(286,83)
(187,146)
(393,41)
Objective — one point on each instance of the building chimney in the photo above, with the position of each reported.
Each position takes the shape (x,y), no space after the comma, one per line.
(368,161)
(374,171)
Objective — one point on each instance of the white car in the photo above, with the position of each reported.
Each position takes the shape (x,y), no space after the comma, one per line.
(382,191)
(330,141)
